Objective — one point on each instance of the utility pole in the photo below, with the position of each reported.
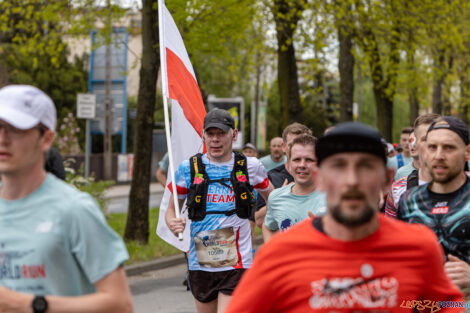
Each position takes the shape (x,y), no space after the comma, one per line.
(257,96)
(107,138)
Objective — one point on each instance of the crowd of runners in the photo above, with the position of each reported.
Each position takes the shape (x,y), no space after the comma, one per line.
(345,255)
(348,225)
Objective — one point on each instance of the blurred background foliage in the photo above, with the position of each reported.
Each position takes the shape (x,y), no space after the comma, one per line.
(406,57)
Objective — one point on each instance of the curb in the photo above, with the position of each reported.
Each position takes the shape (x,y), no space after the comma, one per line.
(162,263)
(120,191)
(140,268)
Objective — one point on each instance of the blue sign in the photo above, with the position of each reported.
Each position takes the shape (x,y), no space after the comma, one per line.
(97,83)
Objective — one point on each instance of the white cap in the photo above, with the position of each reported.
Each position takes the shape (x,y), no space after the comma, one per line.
(25,106)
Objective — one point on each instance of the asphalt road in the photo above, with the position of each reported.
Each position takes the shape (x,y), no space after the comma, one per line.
(120,204)
(161,291)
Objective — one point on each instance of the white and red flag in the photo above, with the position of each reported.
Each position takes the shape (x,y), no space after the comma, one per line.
(187,112)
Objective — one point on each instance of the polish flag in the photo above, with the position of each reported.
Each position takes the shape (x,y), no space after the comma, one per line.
(187,111)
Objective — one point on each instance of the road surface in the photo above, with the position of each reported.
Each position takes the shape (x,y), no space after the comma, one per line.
(162,291)
(120,204)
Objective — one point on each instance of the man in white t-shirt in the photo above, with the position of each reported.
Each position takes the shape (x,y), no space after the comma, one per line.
(214,185)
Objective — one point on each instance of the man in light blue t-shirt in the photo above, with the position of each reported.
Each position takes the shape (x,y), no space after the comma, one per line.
(55,245)
(295,202)
(277,157)
(403,158)
(407,169)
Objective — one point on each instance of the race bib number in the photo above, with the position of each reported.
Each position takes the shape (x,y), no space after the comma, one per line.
(216,248)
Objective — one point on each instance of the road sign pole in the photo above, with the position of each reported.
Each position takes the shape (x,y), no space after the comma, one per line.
(86,108)
(87,148)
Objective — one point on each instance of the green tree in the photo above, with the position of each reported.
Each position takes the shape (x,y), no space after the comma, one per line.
(33,47)
(378,35)
(287,14)
(346,59)
(137,226)
(217,37)
(32,51)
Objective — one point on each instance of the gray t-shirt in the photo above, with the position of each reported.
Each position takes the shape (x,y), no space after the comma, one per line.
(55,241)
(393,162)
(404,171)
(269,164)
(164,163)
(286,209)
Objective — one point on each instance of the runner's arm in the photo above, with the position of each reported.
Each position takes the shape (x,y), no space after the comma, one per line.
(161,176)
(459,273)
(270,226)
(176,225)
(267,233)
(437,286)
(112,295)
(265,192)
(259,216)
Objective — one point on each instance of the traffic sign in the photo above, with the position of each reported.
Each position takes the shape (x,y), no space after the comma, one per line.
(86,106)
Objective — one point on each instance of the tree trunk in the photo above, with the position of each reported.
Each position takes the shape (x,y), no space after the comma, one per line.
(465,91)
(286,17)
(438,82)
(383,70)
(465,96)
(414,104)
(383,100)
(137,226)
(437,97)
(346,75)
(384,113)
(412,88)
(439,104)
(465,86)
(3,74)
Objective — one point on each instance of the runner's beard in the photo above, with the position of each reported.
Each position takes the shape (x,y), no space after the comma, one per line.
(444,179)
(356,220)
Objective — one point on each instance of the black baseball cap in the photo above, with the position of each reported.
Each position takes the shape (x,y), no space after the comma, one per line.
(219,118)
(452,124)
(350,137)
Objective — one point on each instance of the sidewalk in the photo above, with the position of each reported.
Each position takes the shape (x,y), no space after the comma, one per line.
(119,191)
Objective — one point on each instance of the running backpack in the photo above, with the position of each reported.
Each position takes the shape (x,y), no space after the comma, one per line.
(197,194)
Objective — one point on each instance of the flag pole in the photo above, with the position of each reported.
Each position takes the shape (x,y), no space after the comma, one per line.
(170,158)
(163,72)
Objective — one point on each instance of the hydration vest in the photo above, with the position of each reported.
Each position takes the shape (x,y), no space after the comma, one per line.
(412,180)
(400,161)
(197,194)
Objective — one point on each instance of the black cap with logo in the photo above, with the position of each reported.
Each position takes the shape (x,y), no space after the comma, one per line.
(350,137)
(219,118)
(453,124)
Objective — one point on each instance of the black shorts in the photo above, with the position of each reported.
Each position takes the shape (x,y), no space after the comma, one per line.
(205,286)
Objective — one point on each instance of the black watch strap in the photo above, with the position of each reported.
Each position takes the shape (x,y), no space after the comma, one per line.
(39,304)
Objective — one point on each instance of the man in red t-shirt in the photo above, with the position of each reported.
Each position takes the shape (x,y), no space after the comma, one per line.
(353,259)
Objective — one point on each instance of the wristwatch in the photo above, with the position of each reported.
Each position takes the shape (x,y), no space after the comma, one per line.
(39,304)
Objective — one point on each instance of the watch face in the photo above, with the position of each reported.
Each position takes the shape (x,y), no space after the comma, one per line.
(39,305)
